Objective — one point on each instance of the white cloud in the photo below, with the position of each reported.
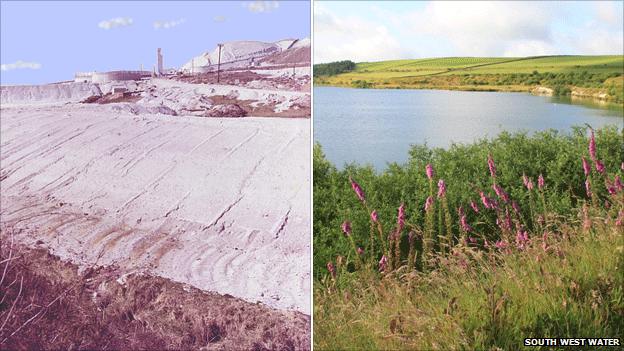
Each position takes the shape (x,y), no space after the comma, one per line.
(486,28)
(168,24)
(115,22)
(352,38)
(262,6)
(20,65)
(608,12)
(522,48)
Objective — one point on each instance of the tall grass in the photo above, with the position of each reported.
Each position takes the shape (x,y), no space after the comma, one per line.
(519,237)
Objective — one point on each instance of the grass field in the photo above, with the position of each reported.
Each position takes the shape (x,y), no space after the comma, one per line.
(490,73)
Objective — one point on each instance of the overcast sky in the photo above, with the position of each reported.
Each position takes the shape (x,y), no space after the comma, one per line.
(374,31)
(48,41)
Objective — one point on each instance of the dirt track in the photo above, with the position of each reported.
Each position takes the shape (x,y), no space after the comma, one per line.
(220,204)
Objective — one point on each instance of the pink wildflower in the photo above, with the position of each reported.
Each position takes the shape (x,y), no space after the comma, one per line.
(331,269)
(441,188)
(383,262)
(500,192)
(360,251)
(592,146)
(588,188)
(522,238)
(600,167)
(485,200)
(373,216)
(492,166)
(527,182)
(401,217)
(358,189)
(428,203)
(586,167)
(462,220)
(515,207)
(430,172)
(346,228)
(501,244)
(620,219)
(474,206)
(540,182)
(611,187)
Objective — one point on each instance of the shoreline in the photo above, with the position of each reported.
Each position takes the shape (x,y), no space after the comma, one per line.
(486,89)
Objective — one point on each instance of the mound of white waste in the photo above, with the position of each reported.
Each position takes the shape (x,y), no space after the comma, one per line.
(220,204)
(48,93)
(186,98)
(243,50)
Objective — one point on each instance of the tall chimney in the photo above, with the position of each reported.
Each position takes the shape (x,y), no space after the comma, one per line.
(160,63)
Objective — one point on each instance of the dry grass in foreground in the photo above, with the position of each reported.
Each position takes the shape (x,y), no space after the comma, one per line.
(564,286)
(46,303)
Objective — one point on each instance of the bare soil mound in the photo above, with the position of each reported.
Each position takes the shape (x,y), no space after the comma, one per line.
(46,303)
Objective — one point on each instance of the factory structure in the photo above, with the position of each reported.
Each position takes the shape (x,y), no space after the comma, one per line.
(233,55)
(124,75)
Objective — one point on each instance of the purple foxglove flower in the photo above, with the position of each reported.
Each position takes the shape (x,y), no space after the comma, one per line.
(611,188)
(586,167)
(540,182)
(428,203)
(441,188)
(360,251)
(462,220)
(492,166)
(600,167)
(331,269)
(620,219)
(346,228)
(358,189)
(501,244)
(485,200)
(474,206)
(588,188)
(373,216)
(592,146)
(383,263)
(527,182)
(500,192)
(430,172)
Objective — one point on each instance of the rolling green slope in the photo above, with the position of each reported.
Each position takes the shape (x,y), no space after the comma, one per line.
(593,75)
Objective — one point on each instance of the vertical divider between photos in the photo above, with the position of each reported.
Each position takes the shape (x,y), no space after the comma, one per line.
(311,173)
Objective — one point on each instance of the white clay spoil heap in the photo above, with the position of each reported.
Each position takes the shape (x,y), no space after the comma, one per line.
(237,51)
(221,204)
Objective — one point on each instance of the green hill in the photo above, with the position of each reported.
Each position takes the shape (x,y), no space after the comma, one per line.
(591,76)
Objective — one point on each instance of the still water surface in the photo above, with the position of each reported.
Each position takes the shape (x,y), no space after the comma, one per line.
(377,126)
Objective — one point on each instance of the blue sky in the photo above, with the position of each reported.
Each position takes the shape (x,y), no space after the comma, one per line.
(49,41)
(374,30)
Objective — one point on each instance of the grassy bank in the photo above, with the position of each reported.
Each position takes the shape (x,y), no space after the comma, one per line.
(473,247)
(597,77)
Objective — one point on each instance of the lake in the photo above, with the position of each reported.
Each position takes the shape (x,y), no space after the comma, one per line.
(375,126)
